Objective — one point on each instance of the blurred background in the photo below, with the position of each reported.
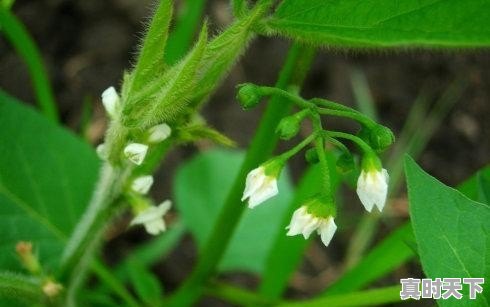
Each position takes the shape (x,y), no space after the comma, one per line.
(86,46)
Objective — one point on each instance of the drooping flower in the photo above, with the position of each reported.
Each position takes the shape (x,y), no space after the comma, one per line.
(372,185)
(142,184)
(261,183)
(110,100)
(159,133)
(152,218)
(305,223)
(51,288)
(136,152)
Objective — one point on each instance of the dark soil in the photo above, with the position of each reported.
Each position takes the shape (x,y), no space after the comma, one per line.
(86,46)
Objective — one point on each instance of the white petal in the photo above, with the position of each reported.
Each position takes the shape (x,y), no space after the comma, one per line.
(327,230)
(299,219)
(253,182)
(364,191)
(267,190)
(136,152)
(110,100)
(159,133)
(154,227)
(311,226)
(142,184)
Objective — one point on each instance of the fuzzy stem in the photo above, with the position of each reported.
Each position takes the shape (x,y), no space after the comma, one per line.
(327,190)
(293,151)
(79,250)
(262,146)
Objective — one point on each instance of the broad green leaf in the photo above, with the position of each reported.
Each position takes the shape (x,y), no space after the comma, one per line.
(17,289)
(46,178)
(384,23)
(452,231)
(200,189)
(478,186)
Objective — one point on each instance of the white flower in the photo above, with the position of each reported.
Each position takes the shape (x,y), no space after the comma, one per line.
(101,151)
(259,187)
(136,152)
(158,133)
(152,218)
(110,100)
(372,188)
(142,184)
(305,223)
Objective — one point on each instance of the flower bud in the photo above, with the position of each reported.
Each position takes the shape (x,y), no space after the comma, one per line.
(27,258)
(136,152)
(142,184)
(51,288)
(381,137)
(288,127)
(158,133)
(110,100)
(249,95)
(311,156)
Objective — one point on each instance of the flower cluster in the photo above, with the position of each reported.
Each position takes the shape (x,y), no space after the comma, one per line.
(318,213)
(146,214)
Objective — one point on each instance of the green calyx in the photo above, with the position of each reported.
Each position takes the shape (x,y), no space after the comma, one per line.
(321,207)
(371,162)
(273,167)
(249,95)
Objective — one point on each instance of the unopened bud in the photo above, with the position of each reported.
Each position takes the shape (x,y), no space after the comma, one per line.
(158,133)
(51,288)
(381,137)
(345,163)
(311,156)
(27,258)
(249,95)
(288,127)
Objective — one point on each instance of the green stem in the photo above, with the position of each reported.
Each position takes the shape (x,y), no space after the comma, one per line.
(327,190)
(300,102)
(293,151)
(82,244)
(263,144)
(355,116)
(237,295)
(358,141)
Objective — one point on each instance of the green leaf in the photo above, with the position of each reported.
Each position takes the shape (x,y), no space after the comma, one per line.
(384,23)
(452,231)
(46,178)
(199,198)
(20,289)
(389,254)
(145,283)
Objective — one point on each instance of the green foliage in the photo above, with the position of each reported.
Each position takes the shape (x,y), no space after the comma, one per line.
(477,187)
(27,49)
(180,39)
(386,23)
(144,282)
(150,62)
(199,199)
(46,178)
(19,289)
(451,231)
